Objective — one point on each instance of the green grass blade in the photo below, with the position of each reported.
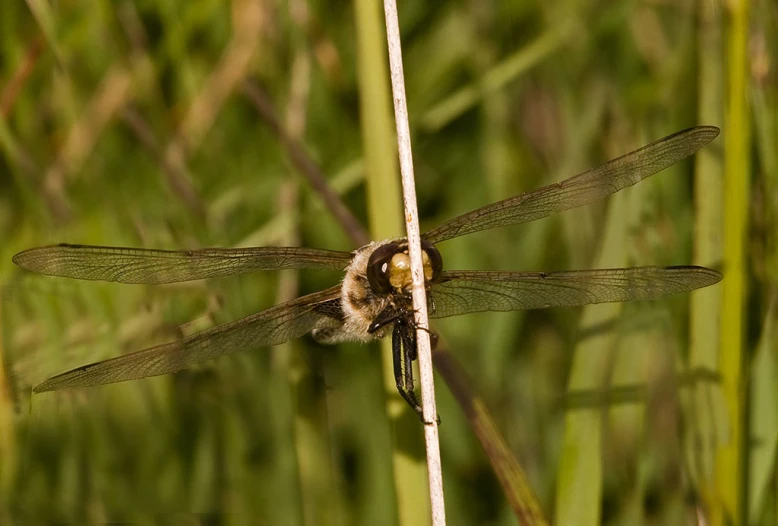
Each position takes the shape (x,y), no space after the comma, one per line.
(384,205)
(580,472)
(737,147)
(705,304)
(763,429)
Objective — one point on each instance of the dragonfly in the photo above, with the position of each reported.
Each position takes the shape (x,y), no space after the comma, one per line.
(373,300)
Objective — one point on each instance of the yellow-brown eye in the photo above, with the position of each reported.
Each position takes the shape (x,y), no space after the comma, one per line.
(378,267)
(436,260)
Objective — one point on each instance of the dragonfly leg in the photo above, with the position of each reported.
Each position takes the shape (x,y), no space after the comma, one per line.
(389,315)
(433,338)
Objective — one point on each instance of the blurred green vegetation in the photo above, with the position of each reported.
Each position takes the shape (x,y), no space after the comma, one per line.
(128,123)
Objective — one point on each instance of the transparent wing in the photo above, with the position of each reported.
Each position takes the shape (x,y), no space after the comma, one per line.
(139,265)
(462,292)
(582,189)
(270,327)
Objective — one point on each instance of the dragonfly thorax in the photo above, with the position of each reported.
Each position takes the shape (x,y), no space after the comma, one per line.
(377,287)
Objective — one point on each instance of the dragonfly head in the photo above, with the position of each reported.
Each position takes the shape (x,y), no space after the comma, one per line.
(389,266)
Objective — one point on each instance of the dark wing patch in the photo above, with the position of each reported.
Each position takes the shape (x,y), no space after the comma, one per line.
(273,326)
(139,265)
(462,292)
(331,309)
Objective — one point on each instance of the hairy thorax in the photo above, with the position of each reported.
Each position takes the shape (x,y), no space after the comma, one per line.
(376,290)
(359,303)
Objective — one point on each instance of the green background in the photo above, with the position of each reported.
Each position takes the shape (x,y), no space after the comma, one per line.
(128,123)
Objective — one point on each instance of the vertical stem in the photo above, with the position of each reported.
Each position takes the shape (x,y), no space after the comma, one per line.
(8,462)
(736,180)
(705,304)
(434,471)
(386,221)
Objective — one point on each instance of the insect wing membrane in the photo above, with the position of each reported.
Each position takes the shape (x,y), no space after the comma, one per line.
(149,266)
(462,292)
(582,189)
(273,326)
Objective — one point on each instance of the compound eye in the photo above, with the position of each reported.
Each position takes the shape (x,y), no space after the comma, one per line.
(435,259)
(378,267)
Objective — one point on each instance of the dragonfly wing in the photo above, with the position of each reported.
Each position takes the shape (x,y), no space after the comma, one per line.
(273,326)
(139,265)
(462,292)
(582,189)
